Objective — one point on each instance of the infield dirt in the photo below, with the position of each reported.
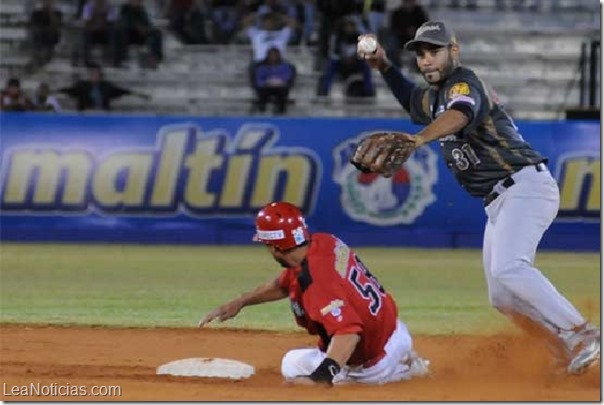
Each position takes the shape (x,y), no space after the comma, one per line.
(464,367)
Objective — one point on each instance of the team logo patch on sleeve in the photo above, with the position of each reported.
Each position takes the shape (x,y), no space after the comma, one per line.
(459,89)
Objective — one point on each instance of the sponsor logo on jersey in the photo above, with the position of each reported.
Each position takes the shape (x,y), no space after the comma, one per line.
(333,307)
(371,198)
(459,89)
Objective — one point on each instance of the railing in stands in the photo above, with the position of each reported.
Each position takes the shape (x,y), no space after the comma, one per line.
(590,69)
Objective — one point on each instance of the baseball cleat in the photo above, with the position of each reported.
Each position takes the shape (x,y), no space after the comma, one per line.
(419,367)
(583,346)
(585,358)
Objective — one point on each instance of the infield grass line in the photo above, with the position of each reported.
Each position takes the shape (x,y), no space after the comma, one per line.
(437,291)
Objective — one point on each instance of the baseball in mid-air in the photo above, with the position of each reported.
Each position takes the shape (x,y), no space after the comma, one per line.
(367,44)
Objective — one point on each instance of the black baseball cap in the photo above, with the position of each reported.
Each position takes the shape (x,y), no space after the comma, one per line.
(432,32)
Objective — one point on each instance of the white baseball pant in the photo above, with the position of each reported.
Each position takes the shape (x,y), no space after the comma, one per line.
(302,362)
(516,222)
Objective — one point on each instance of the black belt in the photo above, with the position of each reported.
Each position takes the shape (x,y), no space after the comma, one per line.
(509,182)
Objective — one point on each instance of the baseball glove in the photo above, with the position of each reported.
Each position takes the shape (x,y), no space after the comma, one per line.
(383,152)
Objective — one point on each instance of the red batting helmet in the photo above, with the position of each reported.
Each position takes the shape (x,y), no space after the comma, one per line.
(281,224)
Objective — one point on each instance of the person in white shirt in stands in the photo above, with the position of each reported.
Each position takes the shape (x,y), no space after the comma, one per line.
(43,101)
(275,32)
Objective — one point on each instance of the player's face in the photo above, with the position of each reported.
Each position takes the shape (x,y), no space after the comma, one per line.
(279,256)
(434,62)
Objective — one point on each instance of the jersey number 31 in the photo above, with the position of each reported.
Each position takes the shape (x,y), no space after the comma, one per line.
(464,156)
(367,285)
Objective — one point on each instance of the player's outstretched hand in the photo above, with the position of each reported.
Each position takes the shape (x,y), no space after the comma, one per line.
(224,312)
(375,58)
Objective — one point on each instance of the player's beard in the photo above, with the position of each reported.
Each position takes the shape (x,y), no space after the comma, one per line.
(438,76)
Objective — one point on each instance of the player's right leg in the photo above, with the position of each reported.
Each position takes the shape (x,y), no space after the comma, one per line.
(400,362)
(527,210)
(584,345)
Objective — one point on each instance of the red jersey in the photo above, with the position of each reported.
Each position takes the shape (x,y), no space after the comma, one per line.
(332,293)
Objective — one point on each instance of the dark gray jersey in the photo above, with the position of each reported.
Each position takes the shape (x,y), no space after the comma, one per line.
(489,148)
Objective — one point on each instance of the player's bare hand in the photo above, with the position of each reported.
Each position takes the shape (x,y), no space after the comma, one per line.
(376,59)
(224,312)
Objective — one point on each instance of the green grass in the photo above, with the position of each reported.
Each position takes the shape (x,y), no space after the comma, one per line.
(437,291)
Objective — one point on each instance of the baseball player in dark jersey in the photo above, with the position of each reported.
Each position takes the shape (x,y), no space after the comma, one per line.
(334,296)
(490,160)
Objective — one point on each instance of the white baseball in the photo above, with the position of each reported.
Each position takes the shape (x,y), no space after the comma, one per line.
(367,45)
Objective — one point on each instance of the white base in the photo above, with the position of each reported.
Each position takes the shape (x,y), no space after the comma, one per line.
(207,367)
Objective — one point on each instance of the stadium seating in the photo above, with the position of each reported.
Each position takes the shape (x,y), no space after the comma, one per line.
(530,57)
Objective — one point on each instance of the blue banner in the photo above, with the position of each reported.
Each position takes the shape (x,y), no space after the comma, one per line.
(201,180)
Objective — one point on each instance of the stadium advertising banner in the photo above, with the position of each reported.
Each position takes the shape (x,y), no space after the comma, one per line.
(201,180)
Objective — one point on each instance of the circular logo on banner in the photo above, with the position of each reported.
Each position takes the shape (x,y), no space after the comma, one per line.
(371,198)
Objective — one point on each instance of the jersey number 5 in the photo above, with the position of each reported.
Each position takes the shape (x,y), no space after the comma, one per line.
(367,285)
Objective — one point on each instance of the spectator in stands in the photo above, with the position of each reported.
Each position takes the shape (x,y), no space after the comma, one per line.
(188,20)
(273,6)
(374,13)
(96,93)
(274,32)
(45,25)
(80,9)
(330,12)
(225,16)
(404,21)
(13,99)
(43,101)
(308,22)
(135,27)
(273,81)
(286,9)
(344,60)
(99,28)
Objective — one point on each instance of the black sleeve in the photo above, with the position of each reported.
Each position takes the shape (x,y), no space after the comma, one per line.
(420,106)
(401,87)
(114,91)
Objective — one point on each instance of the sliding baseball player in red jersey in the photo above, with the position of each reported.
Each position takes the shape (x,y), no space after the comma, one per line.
(332,295)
